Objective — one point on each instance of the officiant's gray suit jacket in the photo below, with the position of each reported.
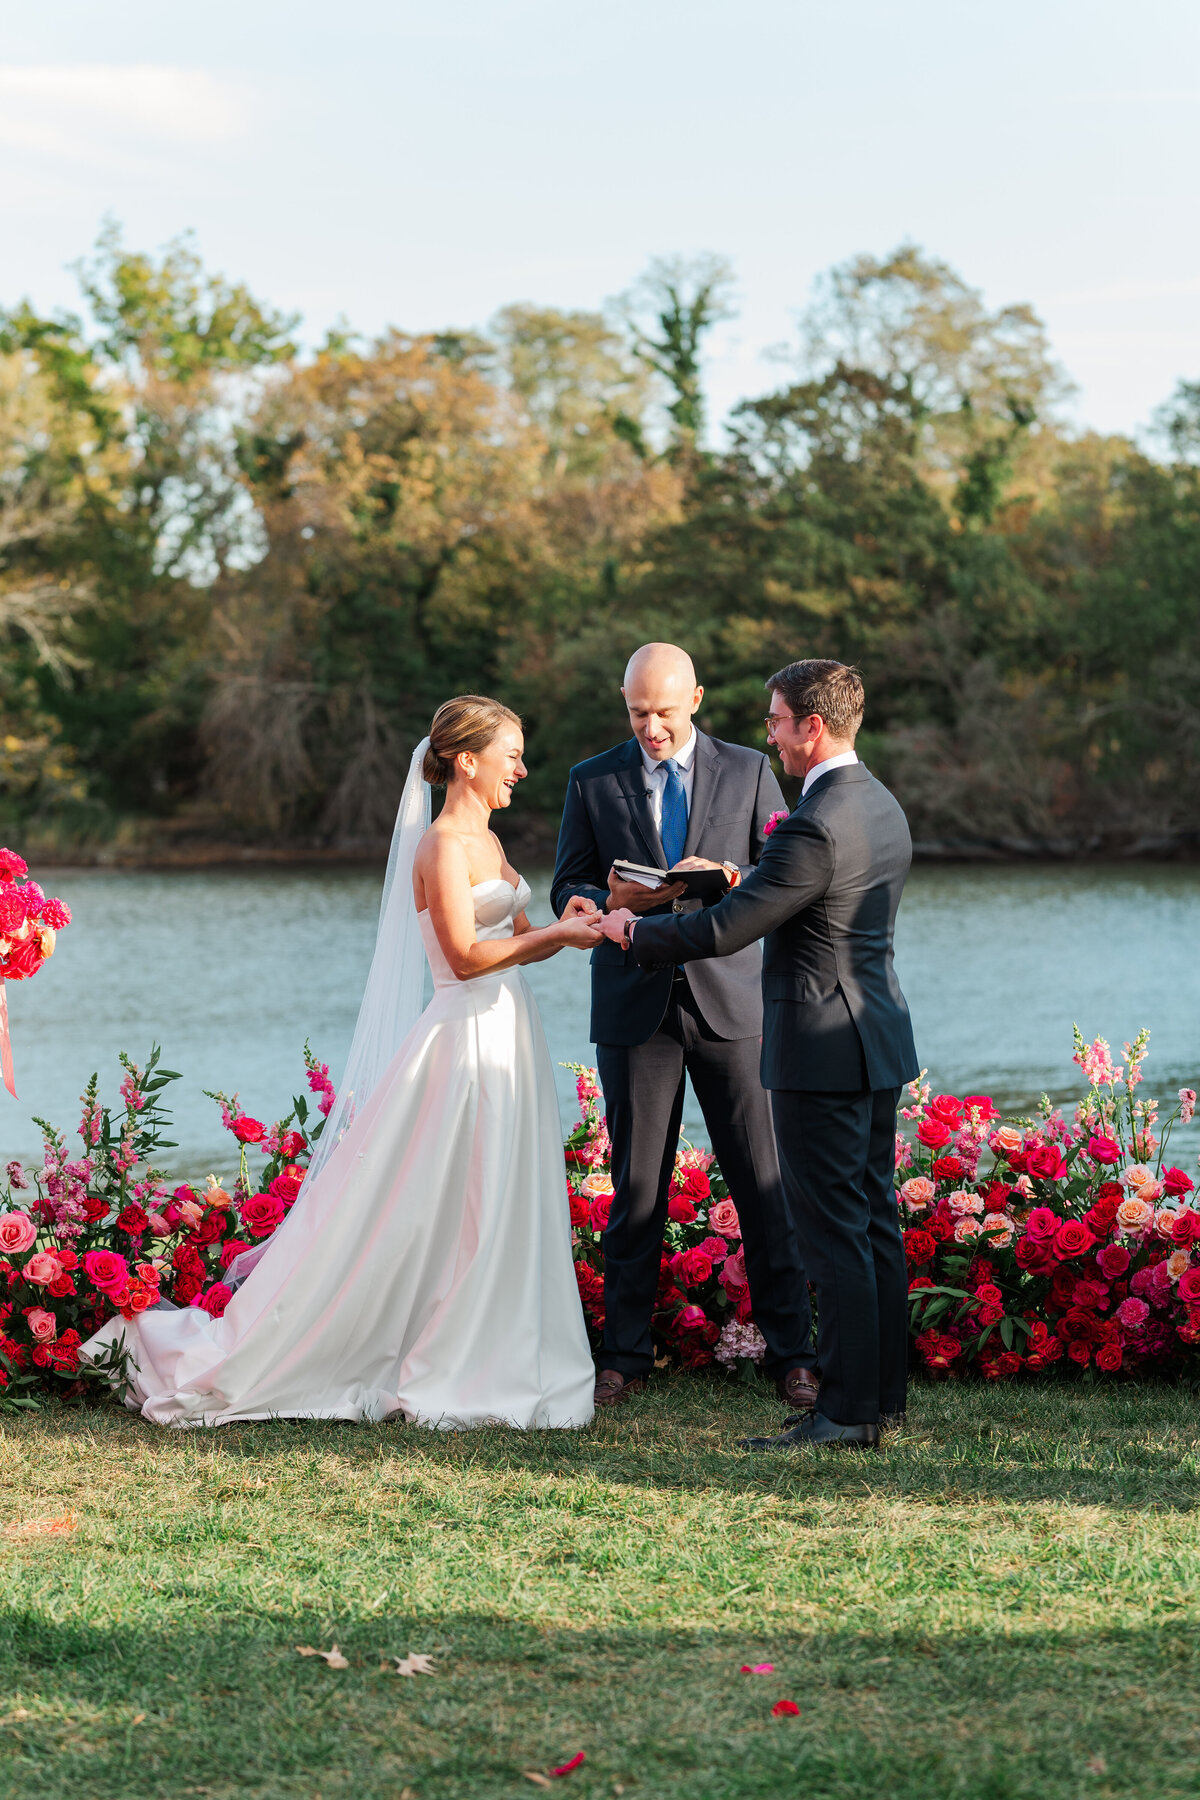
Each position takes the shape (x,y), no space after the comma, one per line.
(823,899)
(607,817)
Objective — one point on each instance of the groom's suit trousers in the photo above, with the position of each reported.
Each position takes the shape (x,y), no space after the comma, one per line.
(643,1095)
(837,1152)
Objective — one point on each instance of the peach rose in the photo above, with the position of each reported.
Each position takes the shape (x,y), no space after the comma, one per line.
(17,1232)
(917,1193)
(190,1211)
(1134,1214)
(1164,1220)
(1137,1175)
(1006,1138)
(158,1225)
(722,1217)
(966,1230)
(42,1324)
(215,1195)
(46,936)
(595,1185)
(961,1202)
(42,1269)
(1178,1263)
(1023,1186)
(998,1229)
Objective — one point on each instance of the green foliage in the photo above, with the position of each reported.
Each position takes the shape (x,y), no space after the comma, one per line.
(235,581)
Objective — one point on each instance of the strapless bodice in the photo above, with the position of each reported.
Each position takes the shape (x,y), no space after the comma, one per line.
(497,904)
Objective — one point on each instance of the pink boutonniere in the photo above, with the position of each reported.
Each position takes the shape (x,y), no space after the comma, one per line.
(773,821)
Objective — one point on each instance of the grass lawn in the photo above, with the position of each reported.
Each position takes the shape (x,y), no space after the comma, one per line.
(1002,1603)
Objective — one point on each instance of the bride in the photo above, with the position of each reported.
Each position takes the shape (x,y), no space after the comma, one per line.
(426,1267)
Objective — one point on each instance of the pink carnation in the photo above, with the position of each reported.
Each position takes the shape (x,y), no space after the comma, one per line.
(1133,1313)
(56,914)
(775,819)
(12,865)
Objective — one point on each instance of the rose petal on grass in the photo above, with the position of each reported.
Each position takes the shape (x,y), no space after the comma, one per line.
(333,1658)
(758,1668)
(415,1663)
(62,1526)
(785,1709)
(566,1767)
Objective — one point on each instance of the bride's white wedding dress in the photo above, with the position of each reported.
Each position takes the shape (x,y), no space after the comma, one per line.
(426,1268)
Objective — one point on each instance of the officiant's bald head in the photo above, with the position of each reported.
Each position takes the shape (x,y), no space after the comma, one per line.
(661,694)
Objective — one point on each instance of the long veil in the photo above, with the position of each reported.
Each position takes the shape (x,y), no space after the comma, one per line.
(392,998)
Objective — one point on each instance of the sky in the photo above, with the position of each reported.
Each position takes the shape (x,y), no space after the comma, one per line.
(422,164)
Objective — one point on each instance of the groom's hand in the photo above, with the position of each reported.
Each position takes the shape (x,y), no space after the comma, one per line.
(612,924)
(631,896)
(702,862)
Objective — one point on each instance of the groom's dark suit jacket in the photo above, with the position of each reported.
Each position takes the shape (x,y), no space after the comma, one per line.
(607,816)
(823,899)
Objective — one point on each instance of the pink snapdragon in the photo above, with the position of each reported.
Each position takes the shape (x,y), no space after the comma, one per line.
(1095,1059)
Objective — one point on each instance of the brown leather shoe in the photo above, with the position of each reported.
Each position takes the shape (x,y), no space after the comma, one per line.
(612,1387)
(798,1389)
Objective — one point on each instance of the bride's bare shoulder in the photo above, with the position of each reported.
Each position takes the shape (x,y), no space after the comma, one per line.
(506,868)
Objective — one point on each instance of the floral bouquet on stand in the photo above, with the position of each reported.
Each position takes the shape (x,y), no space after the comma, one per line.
(29,925)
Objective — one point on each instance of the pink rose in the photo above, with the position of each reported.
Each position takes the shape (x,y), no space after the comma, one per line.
(1189,1286)
(230,1248)
(43,1326)
(680,1208)
(1133,1313)
(42,1269)
(287,1183)
(1104,1149)
(694,1267)
(1046,1163)
(775,819)
(1176,1182)
(106,1270)
(691,1318)
(600,1209)
(17,1232)
(722,1217)
(1041,1224)
(1072,1238)
(215,1300)
(247,1130)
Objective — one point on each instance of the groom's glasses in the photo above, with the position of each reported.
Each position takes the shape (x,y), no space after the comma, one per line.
(774,719)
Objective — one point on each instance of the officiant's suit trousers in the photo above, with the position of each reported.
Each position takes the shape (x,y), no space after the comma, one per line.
(643,1093)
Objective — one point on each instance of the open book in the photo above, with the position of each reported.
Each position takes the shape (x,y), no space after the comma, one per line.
(706,885)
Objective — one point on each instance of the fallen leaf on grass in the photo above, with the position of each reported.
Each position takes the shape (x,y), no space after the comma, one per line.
(538,1779)
(785,1709)
(61,1526)
(758,1668)
(415,1663)
(1096,1765)
(333,1657)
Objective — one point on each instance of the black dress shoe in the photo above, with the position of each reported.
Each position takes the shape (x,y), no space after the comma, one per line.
(815,1428)
(893,1421)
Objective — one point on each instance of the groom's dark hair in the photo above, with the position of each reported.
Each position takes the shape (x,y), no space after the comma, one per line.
(832,690)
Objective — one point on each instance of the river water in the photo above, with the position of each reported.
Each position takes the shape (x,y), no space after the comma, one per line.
(230,970)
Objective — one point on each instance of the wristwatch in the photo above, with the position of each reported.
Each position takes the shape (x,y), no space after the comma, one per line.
(627,934)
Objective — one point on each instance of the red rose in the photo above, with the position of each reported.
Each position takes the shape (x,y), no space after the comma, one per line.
(215,1300)
(247,1130)
(599,1211)
(681,1210)
(933,1133)
(133,1220)
(990,1315)
(580,1210)
(1099,1218)
(291,1144)
(95,1207)
(1041,1224)
(1110,1190)
(1072,1238)
(260,1214)
(946,1108)
(989,1293)
(919,1281)
(211,1227)
(287,1184)
(1113,1260)
(1046,1162)
(1079,1352)
(230,1248)
(919,1246)
(1176,1182)
(106,1270)
(1035,1256)
(948,1168)
(995,1196)
(1008,1363)
(1103,1149)
(186,1289)
(1109,1357)
(1186,1227)
(983,1108)
(694,1266)
(25,958)
(696,1184)
(1189,1286)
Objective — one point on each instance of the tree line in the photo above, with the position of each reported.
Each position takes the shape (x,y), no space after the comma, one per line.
(236,579)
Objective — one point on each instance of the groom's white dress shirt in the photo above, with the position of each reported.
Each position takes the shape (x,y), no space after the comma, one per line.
(833,762)
(656,773)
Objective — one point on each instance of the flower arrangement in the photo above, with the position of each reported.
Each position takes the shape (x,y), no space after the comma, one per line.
(1033,1244)
(29,925)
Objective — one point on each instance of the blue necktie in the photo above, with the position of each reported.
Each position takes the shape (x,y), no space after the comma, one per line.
(674,815)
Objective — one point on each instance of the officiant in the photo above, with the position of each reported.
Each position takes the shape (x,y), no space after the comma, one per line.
(671,797)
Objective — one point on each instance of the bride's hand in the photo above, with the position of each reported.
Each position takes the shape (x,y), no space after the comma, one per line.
(580,907)
(578,929)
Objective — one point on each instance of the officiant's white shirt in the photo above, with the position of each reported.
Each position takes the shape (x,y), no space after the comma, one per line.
(833,762)
(656,784)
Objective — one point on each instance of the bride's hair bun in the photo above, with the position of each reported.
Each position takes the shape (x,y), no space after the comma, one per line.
(468,722)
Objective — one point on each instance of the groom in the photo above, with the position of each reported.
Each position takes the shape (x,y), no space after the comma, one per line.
(672,796)
(837,1041)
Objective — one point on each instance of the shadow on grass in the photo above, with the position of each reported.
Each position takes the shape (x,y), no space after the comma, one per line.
(1121,1446)
(216,1706)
